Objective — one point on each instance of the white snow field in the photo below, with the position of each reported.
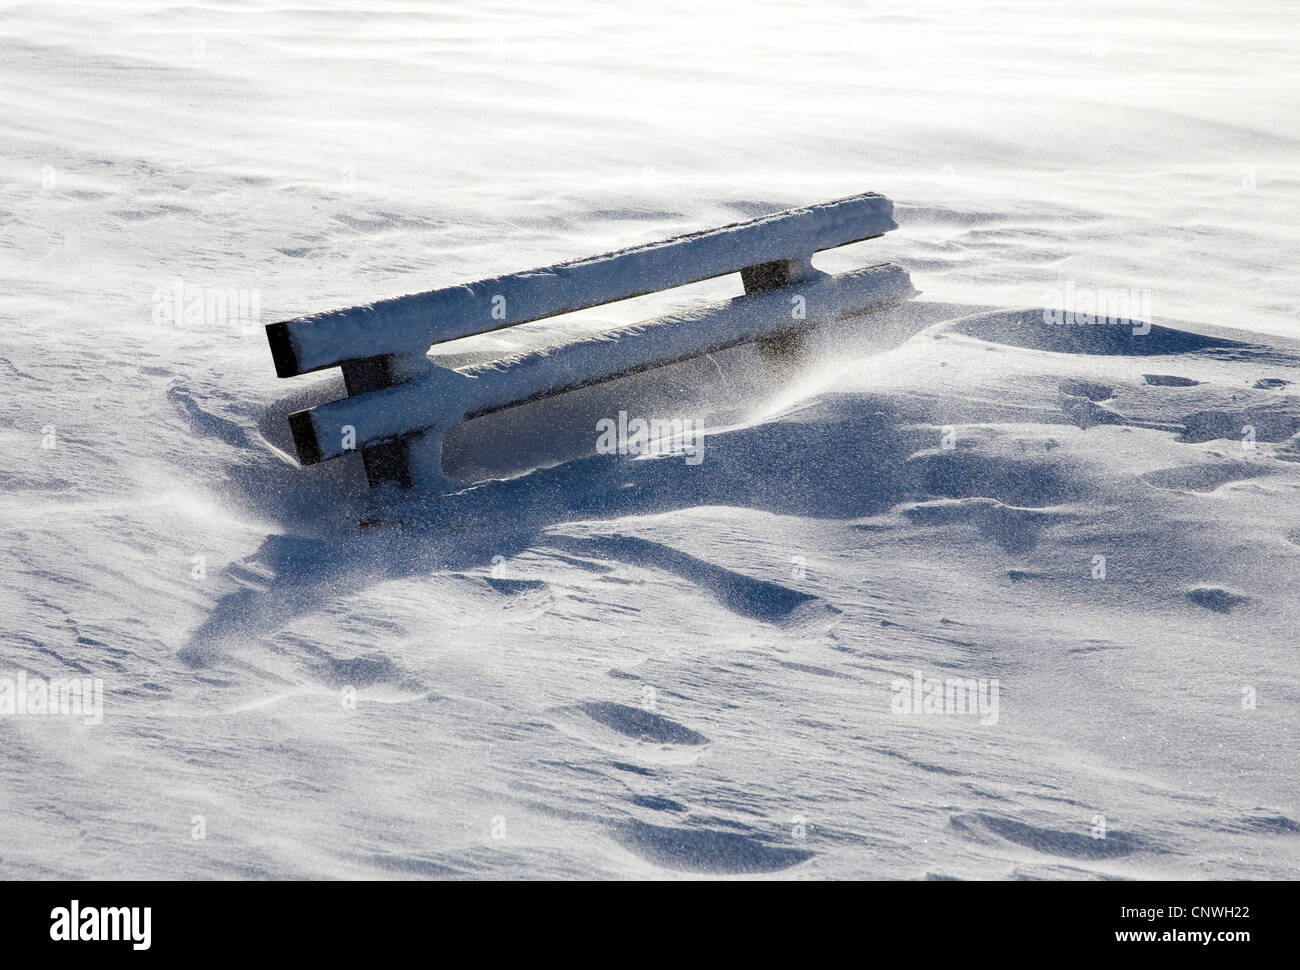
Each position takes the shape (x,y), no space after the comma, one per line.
(622,667)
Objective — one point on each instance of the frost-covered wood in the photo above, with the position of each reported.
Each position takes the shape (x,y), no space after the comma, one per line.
(413,323)
(400,404)
(444,397)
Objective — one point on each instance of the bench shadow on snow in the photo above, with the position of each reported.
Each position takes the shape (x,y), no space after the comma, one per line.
(852,467)
(754,599)
(845,457)
(838,456)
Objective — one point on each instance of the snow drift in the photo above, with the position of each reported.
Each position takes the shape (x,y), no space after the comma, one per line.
(613,665)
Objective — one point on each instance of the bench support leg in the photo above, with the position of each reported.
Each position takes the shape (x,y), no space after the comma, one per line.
(387,461)
(783,272)
(778,351)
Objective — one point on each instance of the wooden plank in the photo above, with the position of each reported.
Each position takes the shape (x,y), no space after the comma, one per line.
(444,397)
(388,460)
(411,324)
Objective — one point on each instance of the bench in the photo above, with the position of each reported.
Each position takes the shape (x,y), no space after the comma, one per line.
(400,404)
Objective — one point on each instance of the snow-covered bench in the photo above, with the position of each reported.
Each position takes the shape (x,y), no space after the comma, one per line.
(400,403)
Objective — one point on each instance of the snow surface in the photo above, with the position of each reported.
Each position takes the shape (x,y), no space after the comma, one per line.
(623,667)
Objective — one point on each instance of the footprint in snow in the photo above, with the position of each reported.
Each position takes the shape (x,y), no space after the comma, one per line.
(795,612)
(705,850)
(991,829)
(633,722)
(636,737)
(1203,478)
(1215,599)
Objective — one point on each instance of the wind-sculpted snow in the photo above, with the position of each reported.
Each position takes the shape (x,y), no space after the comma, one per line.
(621,664)
(1046,841)
(978,587)
(701,850)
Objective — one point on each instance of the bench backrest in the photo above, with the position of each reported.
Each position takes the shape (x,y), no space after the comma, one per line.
(382,346)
